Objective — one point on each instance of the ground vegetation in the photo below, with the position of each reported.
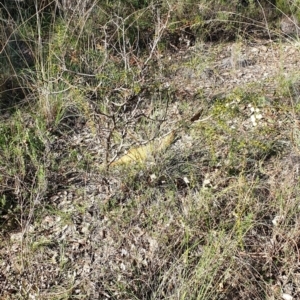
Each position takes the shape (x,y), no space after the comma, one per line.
(149,149)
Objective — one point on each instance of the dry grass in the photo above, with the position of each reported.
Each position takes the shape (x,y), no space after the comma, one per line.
(213,215)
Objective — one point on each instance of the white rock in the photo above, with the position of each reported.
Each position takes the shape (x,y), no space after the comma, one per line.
(287,297)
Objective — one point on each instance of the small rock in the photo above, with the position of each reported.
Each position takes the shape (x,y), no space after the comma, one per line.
(287,297)
(289,25)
